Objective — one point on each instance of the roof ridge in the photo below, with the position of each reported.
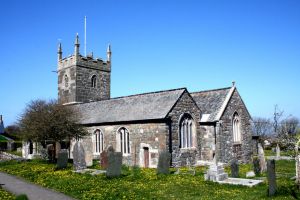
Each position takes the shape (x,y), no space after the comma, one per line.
(133,95)
(225,88)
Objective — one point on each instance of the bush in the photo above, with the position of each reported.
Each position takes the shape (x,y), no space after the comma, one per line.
(22,197)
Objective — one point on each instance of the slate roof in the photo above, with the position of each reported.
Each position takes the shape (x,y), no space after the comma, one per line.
(210,101)
(155,105)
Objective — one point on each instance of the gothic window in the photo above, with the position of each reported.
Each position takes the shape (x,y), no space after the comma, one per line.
(236,128)
(98,141)
(66,81)
(94,81)
(186,131)
(123,142)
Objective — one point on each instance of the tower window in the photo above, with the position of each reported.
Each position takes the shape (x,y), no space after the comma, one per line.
(94,81)
(186,131)
(123,143)
(66,81)
(236,128)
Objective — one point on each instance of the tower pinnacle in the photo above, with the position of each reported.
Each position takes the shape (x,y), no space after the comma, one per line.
(59,52)
(76,51)
(108,53)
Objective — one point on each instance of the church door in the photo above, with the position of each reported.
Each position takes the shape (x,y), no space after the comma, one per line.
(146,157)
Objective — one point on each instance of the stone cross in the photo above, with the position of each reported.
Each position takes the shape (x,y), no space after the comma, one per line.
(62,159)
(114,164)
(261,157)
(277,151)
(163,162)
(234,165)
(271,177)
(78,156)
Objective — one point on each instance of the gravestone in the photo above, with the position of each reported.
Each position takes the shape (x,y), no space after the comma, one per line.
(297,171)
(277,151)
(50,152)
(163,162)
(114,164)
(234,165)
(104,156)
(103,159)
(44,153)
(62,159)
(256,166)
(78,156)
(271,177)
(262,159)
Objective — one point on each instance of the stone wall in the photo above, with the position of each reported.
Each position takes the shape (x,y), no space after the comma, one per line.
(208,143)
(79,71)
(226,135)
(179,155)
(143,135)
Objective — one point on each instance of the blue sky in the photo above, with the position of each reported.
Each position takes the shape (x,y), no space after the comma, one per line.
(156,45)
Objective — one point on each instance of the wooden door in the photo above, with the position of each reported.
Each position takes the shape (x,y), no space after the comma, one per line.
(146,157)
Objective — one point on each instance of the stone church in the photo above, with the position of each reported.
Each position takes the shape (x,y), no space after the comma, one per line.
(190,125)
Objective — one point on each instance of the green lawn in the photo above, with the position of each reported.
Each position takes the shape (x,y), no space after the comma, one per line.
(145,184)
(4,195)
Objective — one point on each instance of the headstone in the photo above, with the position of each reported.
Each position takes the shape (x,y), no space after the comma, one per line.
(250,174)
(78,156)
(57,149)
(215,173)
(62,159)
(277,151)
(114,164)
(271,177)
(44,154)
(163,163)
(50,152)
(298,171)
(88,149)
(103,159)
(256,166)
(234,165)
(261,157)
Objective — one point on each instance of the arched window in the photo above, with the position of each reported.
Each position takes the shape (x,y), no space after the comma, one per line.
(66,80)
(98,142)
(236,128)
(94,81)
(123,142)
(186,131)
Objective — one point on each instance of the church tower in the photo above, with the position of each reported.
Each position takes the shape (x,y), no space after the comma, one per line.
(83,79)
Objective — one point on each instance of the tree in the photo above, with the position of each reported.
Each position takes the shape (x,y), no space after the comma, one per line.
(261,127)
(276,118)
(12,131)
(49,121)
(287,132)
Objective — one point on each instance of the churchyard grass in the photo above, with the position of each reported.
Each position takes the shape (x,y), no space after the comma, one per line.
(4,195)
(138,183)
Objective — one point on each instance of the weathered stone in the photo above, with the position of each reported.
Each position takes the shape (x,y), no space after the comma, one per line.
(297,170)
(103,159)
(163,162)
(215,173)
(44,153)
(277,151)
(88,150)
(271,177)
(78,156)
(51,152)
(62,159)
(256,166)
(114,164)
(261,157)
(234,165)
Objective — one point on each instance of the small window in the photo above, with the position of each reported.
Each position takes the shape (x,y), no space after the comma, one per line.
(94,81)
(186,131)
(123,142)
(98,141)
(66,81)
(236,128)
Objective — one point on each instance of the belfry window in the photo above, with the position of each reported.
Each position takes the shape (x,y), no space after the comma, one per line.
(94,81)
(123,142)
(186,131)
(66,80)
(236,128)
(98,141)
